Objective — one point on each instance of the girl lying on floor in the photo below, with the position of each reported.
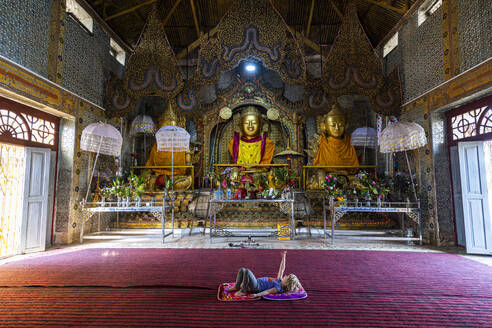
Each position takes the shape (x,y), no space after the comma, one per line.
(246,283)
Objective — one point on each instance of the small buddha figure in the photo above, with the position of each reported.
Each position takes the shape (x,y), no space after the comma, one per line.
(334,147)
(251,147)
(164,158)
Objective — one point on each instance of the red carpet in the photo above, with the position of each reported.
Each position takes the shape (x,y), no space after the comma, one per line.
(177,287)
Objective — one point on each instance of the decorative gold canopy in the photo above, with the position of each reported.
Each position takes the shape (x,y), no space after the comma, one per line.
(117,101)
(251,29)
(152,69)
(353,67)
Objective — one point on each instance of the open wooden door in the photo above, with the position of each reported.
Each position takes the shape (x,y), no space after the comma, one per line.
(476,207)
(35,202)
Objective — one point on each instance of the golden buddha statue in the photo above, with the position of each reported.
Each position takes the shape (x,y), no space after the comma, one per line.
(251,147)
(163,158)
(334,148)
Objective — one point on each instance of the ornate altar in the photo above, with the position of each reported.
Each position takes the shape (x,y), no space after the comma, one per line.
(252,58)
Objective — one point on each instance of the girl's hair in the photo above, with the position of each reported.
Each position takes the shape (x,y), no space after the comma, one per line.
(292,283)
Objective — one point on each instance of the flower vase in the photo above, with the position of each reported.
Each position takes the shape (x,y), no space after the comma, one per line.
(152,201)
(368,201)
(379,201)
(103,201)
(127,201)
(138,201)
(118,203)
(356,202)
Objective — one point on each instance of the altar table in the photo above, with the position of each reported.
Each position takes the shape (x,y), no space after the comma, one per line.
(159,211)
(216,205)
(412,210)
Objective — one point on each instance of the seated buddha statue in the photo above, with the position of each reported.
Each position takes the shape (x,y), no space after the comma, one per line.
(334,148)
(250,147)
(165,158)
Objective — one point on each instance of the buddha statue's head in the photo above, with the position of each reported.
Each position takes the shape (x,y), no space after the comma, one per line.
(169,117)
(334,123)
(251,122)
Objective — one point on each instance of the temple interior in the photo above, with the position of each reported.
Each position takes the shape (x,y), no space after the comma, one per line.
(257,124)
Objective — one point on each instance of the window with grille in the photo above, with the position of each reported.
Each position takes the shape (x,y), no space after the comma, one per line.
(471,122)
(23,125)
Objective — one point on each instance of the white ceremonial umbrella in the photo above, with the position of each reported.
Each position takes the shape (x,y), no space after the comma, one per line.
(172,138)
(100,138)
(403,136)
(364,137)
(142,125)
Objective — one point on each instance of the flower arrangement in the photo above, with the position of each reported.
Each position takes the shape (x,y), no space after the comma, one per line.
(117,188)
(371,187)
(402,185)
(281,177)
(138,183)
(106,192)
(332,185)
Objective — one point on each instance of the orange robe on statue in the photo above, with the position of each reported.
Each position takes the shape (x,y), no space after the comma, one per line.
(163,158)
(336,152)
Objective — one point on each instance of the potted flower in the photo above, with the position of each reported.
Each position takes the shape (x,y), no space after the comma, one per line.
(402,186)
(367,185)
(331,185)
(117,189)
(138,184)
(249,187)
(105,193)
(127,192)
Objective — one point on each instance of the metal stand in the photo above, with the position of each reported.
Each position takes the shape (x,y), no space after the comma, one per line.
(246,243)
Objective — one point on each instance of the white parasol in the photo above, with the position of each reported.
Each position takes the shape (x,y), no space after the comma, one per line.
(364,137)
(142,125)
(100,138)
(403,136)
(172,138)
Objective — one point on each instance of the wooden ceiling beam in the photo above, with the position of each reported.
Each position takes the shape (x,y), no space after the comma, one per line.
(193,11)
(388,6)
(310,19)
(339,13)
(171,12)
(129,10)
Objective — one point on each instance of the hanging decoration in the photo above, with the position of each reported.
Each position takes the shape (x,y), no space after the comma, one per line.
(251,30)
(153,70)
(353,67)
(118,101)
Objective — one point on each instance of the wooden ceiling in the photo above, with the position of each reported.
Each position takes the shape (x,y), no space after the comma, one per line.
(185,19)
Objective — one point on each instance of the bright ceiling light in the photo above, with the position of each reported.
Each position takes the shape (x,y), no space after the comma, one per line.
(250,67)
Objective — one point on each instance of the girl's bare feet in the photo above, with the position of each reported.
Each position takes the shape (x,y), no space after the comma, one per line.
(239,293)
(230,290)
